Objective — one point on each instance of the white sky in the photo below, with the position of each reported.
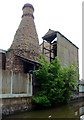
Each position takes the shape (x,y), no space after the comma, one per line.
(64,16)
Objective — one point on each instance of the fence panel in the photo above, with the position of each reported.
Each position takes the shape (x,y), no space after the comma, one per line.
(19,83)
(6,82)
(16,83)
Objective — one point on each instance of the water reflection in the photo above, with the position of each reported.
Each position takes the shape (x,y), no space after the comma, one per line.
(81,110)
(78,108)
(72,110)
(82,117)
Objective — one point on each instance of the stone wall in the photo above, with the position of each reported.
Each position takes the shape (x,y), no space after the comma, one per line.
(14,105)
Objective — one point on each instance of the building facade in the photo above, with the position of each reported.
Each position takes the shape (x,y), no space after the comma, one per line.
(55,44)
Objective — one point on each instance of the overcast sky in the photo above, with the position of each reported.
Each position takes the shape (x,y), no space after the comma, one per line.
(64,16)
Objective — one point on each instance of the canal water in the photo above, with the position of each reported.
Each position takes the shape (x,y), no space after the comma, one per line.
(74,109)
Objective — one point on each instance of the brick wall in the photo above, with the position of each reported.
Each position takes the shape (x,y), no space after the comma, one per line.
(67,52)
(13,63)
(2,60)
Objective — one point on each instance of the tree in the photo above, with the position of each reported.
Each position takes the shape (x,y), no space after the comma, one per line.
(56,82)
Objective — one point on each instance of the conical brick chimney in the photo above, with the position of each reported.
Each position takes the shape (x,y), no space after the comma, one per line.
(26,41)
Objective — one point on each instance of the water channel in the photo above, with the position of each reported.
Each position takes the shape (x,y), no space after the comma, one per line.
(74,109)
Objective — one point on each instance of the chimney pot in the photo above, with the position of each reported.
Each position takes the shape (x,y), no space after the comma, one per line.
(28,5)
(28,10)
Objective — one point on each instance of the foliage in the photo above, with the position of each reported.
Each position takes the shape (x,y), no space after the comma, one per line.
(56,82)
(10,50)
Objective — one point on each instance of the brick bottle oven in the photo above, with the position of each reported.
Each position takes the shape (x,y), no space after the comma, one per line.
(25,43)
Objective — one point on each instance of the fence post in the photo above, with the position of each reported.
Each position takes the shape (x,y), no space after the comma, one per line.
(31,84)
(27,83)
(11,81)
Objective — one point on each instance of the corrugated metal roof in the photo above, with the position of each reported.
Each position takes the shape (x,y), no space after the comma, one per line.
(28,60)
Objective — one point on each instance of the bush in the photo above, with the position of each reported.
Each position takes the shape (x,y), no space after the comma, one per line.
(56,82)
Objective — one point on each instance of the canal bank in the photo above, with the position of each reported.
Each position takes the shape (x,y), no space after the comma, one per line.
(77,97)
(19,105)
(74,109)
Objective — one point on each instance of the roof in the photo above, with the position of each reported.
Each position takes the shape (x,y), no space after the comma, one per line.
(28,5)
(51,35)
(49,32)
(28,60)
(2,51)
(81,82)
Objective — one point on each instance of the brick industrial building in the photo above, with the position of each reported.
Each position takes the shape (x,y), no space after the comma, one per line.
(17,64)
(55,44)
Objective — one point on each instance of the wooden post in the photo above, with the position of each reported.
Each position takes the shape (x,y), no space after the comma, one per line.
(27,83)
(43,47)
(11,81)
(31,85)
(50,52)
(1,81)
